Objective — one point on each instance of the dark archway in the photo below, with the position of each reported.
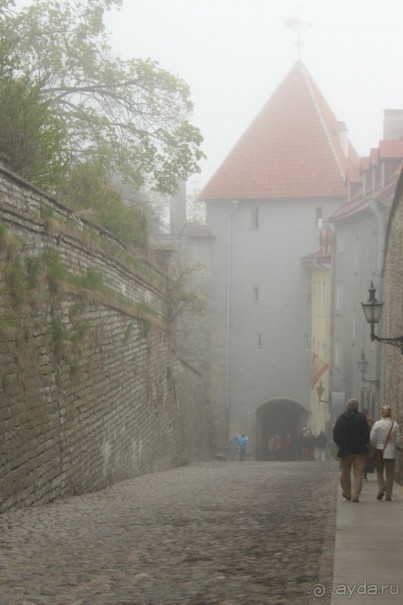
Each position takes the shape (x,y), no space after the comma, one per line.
(278,417)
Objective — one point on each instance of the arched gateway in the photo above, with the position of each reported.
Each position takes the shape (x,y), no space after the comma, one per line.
(279,416)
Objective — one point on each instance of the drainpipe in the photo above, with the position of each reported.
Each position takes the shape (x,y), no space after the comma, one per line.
(234,205)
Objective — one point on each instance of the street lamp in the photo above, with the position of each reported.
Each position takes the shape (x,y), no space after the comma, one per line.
(363,367)
(372,310)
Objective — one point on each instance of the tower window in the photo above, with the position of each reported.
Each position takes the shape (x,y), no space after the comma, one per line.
(254,218)
(318,217)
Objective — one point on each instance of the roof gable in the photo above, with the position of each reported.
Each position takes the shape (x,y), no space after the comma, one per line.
(292,149)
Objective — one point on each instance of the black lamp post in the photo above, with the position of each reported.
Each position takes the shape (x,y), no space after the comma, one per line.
(372,310)
(363,367)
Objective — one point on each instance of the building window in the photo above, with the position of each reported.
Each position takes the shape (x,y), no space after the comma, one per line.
(260,340)
(254,218)
(255,294)
(308,290)
(307,342)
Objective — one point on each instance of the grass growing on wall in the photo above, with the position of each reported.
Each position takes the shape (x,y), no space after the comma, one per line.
(24,275)
(125,251)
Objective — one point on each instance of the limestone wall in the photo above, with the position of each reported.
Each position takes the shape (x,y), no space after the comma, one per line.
(91,389)
(392,322)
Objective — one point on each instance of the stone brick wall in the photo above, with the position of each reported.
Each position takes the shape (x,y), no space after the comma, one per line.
(91,389)
(392,316)
(192,249)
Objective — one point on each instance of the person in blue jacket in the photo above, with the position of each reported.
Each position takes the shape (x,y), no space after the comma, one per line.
(243,446)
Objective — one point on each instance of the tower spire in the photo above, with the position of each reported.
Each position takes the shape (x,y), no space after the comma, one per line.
(297,24)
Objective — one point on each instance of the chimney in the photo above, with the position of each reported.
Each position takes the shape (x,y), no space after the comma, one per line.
(177,209)
(392,124)
(343,138)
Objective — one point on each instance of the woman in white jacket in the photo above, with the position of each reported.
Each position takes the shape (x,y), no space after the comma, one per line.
(385,436)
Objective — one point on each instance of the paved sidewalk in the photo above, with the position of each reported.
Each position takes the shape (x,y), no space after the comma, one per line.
(368,563)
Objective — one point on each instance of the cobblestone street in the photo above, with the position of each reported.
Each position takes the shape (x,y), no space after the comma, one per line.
(214,533)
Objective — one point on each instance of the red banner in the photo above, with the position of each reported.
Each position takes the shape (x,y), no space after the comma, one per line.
(319,367)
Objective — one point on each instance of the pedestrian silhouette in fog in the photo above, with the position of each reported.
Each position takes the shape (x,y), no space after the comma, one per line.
(308,444)
(351,435)
(243,446)
(276,447)
(289,447)
(385,437)
(320,447)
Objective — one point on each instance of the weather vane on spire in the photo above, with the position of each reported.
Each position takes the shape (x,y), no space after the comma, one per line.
(297,24)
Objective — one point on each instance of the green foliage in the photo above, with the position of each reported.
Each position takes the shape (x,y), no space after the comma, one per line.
(88,191)
(74,368)
(3,231)
(80,330)
(145,309)
(180,298)
(46,212)
(71,101)
(56,272)
(62,333)
(14,277)
(77,308)
(59,333)
(32,133)
(3,238)
(33,270)
(93,280)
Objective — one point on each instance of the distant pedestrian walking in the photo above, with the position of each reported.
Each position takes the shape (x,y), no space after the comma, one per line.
(385,436)
(289,449)
(243,446)
(320,447)
(308,444)
(351,435)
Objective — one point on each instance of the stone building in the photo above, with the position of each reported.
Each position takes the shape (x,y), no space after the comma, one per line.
(392,322)
(320,295)
(358,257)
(265,206)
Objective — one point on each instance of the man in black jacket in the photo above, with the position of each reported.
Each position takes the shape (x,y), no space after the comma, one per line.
(351,434)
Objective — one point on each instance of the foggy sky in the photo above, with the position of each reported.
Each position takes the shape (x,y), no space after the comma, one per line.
(234,53)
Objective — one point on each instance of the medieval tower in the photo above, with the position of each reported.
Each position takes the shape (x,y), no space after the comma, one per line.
(265,206)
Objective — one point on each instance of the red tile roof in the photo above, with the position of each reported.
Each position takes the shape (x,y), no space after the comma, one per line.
(317,258)
(383,195)
(391,149)
(291,150)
